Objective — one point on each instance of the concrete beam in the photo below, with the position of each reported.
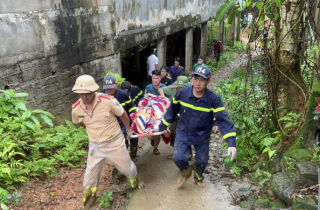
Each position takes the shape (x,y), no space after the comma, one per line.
(161,48)
(189,50)
(204,40)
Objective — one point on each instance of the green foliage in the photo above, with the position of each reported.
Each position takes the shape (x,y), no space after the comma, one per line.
(232,14)
(3,193)
(289,162)
(106,199)
(248,109)
(27,148)
(223,9)
(119,79)
(262,176)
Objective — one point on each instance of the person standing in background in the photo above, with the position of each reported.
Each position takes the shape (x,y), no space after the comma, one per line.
(249,18)
(152,63)
(199,63)
(164,76)
(175,69)
(217,48)
(245,21)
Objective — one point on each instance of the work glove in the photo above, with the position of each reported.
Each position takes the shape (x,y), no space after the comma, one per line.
(233,152)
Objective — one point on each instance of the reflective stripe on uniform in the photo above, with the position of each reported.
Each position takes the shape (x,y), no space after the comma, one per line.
(132,109)
(135,98)
(198,108)
(228,135)
(165,122)
(127,102)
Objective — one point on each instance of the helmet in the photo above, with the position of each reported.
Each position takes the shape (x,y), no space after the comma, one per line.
(85,84)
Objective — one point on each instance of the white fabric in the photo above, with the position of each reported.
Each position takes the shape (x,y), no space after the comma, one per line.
(152,61)
(249,18)
(116,153)
(233,152)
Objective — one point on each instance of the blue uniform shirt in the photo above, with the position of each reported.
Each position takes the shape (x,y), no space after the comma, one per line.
(127,104)
(197,114)
(136,95)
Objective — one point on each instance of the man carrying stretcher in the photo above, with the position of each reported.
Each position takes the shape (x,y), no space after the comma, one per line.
(198,106)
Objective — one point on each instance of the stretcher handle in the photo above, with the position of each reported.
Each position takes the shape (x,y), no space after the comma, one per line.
(139,135)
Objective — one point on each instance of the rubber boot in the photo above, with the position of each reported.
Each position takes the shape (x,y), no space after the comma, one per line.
(89,198)
(133,150)
(197,177)
(133,183)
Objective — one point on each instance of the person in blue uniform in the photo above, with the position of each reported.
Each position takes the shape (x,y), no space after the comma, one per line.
(134,92)
(110,87)
(199,105)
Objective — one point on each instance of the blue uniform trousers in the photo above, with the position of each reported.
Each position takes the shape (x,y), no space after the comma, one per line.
(182,146)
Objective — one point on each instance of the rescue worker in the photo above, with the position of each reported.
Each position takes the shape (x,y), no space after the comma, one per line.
(110,87)
(198,105)
(170,92)
(134,92)
(96,113)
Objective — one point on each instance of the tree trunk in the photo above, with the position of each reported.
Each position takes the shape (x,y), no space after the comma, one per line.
(238,27)
(286,85)
(232,32)
(221,30)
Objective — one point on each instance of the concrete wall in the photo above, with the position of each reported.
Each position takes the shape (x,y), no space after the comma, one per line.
(46,44)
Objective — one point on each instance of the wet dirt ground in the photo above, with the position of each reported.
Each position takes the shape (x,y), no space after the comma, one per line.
(161,192)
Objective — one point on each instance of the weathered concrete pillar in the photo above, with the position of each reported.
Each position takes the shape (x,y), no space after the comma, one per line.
(204,40)
(161,49)
(189,50)
(136,58)
(119,63)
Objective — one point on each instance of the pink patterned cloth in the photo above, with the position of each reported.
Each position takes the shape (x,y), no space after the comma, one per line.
(149,114)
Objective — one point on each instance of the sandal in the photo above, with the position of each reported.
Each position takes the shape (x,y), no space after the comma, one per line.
(156,152)
(170,156)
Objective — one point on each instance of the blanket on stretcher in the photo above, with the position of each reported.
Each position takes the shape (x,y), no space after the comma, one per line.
(149,114)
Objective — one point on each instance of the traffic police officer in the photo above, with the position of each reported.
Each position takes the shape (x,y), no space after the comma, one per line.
(134,92)
(110,87)
(96,113)
(199,105)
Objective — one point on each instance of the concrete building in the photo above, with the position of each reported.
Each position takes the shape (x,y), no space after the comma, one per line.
(47,44)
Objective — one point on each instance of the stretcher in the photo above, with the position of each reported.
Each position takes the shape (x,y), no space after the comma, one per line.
(140,135)
(151,105)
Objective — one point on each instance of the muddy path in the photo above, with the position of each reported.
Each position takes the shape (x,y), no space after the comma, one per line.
(161,192)
(160,174)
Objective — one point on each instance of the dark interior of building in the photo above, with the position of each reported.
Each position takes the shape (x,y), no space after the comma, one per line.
(175,47)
